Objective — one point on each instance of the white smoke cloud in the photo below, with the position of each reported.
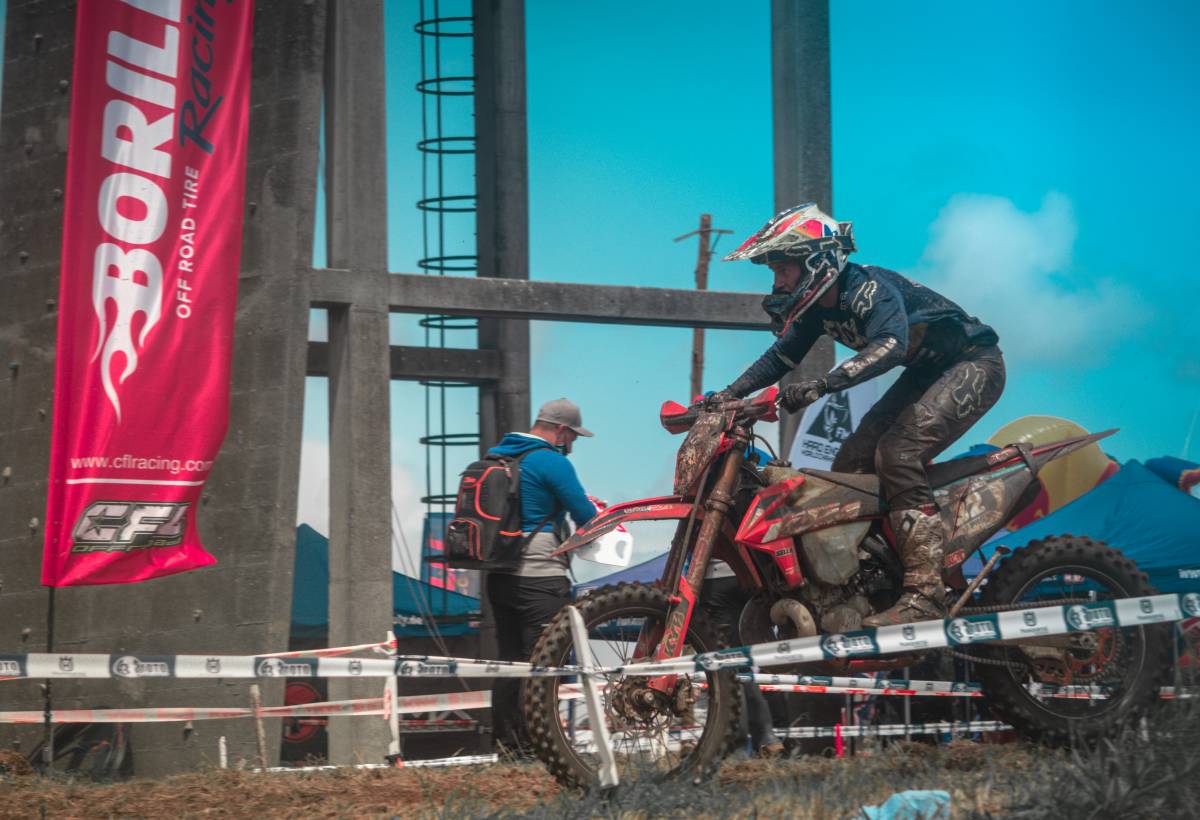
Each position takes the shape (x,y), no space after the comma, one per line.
(313,507)
(1010,268)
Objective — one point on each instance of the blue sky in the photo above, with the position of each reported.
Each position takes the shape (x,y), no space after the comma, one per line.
(1033,160)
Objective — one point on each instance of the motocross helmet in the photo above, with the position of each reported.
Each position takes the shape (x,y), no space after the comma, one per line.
(806,235)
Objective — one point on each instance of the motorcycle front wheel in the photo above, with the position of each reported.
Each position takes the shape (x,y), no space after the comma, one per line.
(684,734)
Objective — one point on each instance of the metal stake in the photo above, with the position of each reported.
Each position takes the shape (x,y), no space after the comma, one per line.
(591,694)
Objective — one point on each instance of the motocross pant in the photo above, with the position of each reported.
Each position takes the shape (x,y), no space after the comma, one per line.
(922,414)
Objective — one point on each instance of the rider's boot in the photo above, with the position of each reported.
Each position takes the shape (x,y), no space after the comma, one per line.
(921,539)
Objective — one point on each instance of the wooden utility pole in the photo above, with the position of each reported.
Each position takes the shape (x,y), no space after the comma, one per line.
(702,258)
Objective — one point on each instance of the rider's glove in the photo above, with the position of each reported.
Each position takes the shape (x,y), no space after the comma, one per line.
(801,394)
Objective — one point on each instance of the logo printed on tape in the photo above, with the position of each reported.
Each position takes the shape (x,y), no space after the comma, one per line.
(410,668)
(1191,603)
(909,632)
(962,630)
(128,666)
(278,668)
(355,666)
(843,646)
(1030,618)
(66,663)
(212,666)
(1083,617)
(724,658)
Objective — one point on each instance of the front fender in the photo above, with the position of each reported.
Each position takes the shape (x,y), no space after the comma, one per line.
(648,509)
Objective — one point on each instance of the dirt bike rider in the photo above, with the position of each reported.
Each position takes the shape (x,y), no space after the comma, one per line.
(954,373)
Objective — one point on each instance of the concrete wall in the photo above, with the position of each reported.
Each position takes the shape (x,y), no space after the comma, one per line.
(247,515)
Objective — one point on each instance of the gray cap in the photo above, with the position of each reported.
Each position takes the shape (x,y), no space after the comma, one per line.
(565,412)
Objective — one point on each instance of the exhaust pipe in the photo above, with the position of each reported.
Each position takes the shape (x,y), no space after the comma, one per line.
(790,611)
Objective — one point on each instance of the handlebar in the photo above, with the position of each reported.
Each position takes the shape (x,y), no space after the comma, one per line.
(676,418)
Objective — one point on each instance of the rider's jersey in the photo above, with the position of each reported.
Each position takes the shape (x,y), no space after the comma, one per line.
(889,319)
(875,304)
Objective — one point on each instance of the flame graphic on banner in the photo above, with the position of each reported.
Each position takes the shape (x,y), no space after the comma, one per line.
(136,288)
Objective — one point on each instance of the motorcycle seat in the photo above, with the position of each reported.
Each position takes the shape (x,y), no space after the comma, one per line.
(940,474)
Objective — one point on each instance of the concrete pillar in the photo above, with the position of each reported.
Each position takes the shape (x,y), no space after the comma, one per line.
(502,228)
(247,514)
(802,138)
(502,185)
(360,556)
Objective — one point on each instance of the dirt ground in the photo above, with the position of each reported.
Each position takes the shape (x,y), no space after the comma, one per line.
(744,788)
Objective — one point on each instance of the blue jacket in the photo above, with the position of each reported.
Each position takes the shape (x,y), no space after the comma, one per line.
(549,485)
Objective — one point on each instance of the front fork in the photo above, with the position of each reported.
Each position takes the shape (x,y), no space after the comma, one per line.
(685,589)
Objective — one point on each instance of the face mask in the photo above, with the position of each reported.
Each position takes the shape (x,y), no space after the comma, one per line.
(777,306)
(564,447)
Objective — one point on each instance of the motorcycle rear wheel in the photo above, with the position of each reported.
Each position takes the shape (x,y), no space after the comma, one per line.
(656,747)
(1124,665)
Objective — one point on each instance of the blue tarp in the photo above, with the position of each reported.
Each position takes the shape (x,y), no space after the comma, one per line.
(411,598)
(1135,510)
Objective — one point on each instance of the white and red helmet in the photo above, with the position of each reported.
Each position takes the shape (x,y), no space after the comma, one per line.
(806,235)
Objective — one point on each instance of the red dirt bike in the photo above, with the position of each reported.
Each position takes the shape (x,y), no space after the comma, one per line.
(816,550)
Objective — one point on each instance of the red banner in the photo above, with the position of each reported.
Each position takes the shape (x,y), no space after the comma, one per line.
(156,174)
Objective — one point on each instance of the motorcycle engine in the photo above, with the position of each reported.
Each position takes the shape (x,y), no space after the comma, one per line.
(842,608)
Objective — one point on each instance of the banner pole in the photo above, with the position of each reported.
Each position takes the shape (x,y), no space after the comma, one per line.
(48,726)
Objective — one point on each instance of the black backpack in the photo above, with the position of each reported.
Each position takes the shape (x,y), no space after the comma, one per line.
(485,532)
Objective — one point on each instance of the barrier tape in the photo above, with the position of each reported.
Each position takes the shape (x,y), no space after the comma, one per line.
(409,704)
(333,651)
(464,760)
(851,690)
(216,667)
(944,687)
(1022,624)
(893,729)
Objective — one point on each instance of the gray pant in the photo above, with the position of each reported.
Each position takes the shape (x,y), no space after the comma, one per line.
(922,414)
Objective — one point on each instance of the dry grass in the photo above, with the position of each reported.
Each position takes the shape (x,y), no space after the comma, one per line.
(1138,775)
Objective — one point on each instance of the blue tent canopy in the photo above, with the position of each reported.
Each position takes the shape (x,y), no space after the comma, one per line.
(646,572)
(412,599)
(1140,514)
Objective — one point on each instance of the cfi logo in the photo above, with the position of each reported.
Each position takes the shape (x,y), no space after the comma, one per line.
(66,663)
(1030,619)
(1191,603)
(909,632)
(1082,617)
(356,667)
(212,666)
(1147,606)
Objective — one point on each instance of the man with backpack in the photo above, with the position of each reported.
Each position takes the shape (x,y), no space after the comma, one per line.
(525,598)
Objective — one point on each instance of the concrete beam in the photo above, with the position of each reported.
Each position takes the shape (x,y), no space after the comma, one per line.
(424,363)
(547,301)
